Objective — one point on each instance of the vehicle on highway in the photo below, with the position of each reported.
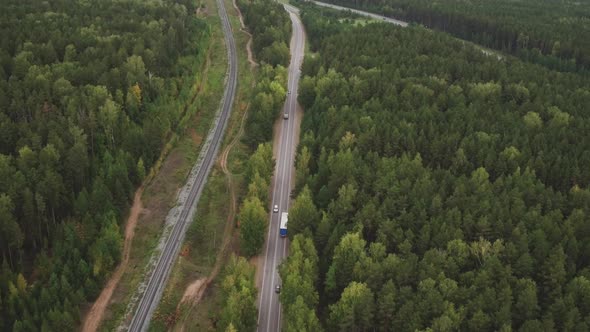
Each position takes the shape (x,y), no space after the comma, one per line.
(283,227)
(278,289)
(275,209)
(286,116)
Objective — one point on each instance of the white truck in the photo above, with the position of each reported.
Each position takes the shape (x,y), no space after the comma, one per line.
(283,227)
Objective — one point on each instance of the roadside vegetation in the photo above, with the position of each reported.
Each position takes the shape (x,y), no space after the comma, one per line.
(207,246)
(84,113)
(239,295)
(438,188)
(253,217)
(555,34)
(271,30)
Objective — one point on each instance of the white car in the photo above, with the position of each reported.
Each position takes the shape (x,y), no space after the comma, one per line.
(275,209)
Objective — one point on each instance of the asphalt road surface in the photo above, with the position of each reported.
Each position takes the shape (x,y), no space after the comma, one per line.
(157,282)
(269,308)
(360,12)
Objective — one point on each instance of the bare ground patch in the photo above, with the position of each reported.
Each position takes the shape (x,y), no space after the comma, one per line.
(249,44)
(202,11)
(192,291)
(97,310)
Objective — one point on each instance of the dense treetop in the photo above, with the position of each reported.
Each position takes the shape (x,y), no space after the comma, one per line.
(441,188)
(554,33)
(239,294)
(270,26)
(88,91)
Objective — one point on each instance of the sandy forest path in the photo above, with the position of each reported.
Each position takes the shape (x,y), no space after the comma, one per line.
(96,313)
(249,45)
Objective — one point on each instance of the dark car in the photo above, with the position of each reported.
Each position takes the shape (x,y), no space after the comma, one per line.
(278,289)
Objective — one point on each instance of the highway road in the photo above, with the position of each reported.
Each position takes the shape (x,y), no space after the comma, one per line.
(363,13)
(157,280)
(269,308)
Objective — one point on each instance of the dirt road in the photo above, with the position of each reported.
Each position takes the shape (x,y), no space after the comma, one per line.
(96,313)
